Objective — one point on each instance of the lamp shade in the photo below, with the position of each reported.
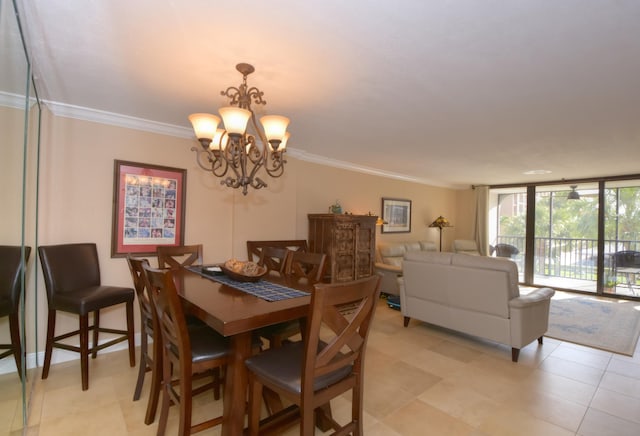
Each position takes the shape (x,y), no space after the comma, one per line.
(275,127)
(220,140)
(283,145)
(204,125)
(440,222)
(235,119)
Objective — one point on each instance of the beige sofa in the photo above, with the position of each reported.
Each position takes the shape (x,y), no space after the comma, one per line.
(389,258)
(466,246)
(476,295)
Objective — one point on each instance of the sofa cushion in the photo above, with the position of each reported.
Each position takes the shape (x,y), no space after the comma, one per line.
(428,256)
(412,246)
(492,263)
(427,246)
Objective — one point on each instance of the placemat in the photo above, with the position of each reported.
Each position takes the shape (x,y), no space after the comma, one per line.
(262,288)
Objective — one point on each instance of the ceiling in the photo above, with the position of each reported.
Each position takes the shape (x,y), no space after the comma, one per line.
(445,92)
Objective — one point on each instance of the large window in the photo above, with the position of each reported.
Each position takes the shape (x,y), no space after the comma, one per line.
(567,243)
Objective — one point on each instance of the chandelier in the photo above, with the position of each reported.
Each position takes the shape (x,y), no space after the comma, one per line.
(238,151)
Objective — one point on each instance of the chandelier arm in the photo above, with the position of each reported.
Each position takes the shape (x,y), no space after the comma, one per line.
(233,93)
(256,94)
(214,164)
(258,183)
(274,165)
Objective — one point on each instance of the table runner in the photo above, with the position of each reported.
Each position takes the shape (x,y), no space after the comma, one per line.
(262,288)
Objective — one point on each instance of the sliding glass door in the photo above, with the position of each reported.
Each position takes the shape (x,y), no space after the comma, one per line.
(578,236)
(622,238)
(566,237)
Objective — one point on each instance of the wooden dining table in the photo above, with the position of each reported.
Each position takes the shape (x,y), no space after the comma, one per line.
(236,315)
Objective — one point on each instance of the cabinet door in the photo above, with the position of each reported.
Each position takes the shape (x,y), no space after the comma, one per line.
(344,251)
(365,250)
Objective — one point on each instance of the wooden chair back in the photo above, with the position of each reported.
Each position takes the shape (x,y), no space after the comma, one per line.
(254,248)
(148,325)
(332,356)
(176,257)
(274,258)
(136,268)
(178,358)
(305,265)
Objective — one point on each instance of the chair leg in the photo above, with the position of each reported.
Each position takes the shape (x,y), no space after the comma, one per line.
(96,327)
(51,327)
(142,370)
(216,383)
(84,350)
(185,405)
(16,344)
(307,421)
(156,381)
(166,401)
(255,404)
(130,331)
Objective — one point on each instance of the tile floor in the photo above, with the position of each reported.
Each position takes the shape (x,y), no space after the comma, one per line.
(419,380)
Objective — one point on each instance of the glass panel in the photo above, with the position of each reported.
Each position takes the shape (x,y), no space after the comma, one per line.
(566,237)
(508,209)
(622,238)
(14,72)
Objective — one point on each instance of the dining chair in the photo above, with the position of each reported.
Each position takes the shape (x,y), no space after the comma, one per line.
(254,248)
(149,362)
(311,372)
(72,280)
(305,266)
(273,258)
(186,353)
(300,265)
(11,268)
(172,256)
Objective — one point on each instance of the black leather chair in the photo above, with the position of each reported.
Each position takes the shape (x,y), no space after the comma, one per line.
(72,279)
(506,250)
(11,267)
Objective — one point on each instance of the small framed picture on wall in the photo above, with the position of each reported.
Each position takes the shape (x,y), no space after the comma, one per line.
(396,215)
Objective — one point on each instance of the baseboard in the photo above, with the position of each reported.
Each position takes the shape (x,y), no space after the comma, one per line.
(8,364)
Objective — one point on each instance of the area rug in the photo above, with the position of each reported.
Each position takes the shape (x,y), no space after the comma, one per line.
(607,325)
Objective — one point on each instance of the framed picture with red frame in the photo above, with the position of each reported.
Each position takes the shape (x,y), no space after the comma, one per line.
(148,208)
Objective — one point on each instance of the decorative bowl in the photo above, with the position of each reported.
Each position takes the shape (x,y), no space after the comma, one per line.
(242,277)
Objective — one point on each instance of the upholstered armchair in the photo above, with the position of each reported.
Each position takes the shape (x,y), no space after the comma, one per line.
(466,246)
(389,262)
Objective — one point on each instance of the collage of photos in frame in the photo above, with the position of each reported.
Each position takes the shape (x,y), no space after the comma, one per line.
(150,208)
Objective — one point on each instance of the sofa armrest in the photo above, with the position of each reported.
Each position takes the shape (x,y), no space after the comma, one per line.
(537,296)
(389,276)
(385,267)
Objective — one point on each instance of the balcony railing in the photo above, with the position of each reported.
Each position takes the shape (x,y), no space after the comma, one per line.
(569,258)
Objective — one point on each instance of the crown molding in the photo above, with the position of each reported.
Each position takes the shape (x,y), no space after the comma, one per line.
(321,160)
(103,117)
(15,101)
(114,119)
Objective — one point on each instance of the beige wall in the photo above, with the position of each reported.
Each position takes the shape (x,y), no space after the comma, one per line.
(77,190)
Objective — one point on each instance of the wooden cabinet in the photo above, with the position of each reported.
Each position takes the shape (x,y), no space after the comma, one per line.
(349,241)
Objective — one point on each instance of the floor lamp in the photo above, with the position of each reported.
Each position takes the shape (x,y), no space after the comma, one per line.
(440,222)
